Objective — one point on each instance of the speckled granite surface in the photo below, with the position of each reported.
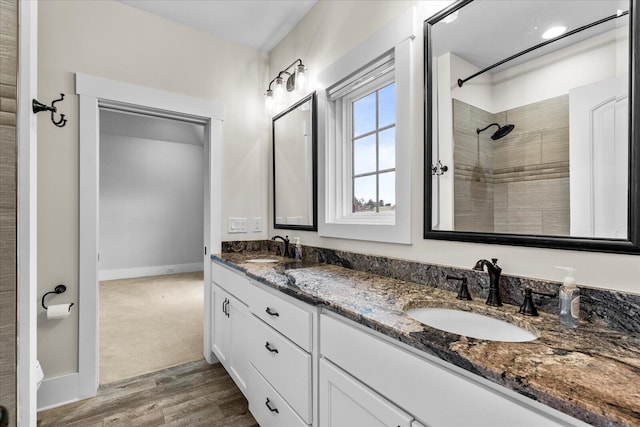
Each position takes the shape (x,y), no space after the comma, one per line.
(610,309)
(591,373)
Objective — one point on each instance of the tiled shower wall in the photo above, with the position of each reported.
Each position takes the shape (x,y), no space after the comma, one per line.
(520,183)
(8,92)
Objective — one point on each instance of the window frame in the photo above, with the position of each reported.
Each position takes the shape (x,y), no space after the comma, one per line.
(393,41)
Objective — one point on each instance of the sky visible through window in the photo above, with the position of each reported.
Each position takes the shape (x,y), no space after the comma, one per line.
(374,160)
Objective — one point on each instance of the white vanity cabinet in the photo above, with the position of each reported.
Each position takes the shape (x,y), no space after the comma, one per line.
(264,339)
(299,365)
(230,328)
(433,392)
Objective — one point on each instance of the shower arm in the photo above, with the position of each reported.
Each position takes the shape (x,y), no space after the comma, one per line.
(478,130)
(538,46)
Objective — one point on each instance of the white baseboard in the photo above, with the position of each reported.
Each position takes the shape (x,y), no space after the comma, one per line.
(58,391)
(156,270)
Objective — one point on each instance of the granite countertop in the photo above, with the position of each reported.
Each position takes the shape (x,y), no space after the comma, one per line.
(590,373)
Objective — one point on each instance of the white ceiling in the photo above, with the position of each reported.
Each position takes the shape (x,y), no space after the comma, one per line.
(486,32)
(261,24)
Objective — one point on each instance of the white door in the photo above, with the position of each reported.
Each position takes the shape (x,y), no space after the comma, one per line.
(345,402)
(598,159)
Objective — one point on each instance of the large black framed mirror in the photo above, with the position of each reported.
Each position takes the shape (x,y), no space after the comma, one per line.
(295,174)
(531,138)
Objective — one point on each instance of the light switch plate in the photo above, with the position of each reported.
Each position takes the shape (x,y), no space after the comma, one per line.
(257,224)
(236,225)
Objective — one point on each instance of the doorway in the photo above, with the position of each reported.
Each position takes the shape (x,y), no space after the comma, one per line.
(97,93)
(151,204)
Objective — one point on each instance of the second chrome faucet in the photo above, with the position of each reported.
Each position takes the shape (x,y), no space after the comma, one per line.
(494,280)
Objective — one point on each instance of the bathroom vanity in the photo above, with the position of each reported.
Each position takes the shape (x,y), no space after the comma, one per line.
(324,345)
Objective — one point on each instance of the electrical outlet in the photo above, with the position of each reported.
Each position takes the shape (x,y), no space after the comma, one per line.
(237,225)
(257,224)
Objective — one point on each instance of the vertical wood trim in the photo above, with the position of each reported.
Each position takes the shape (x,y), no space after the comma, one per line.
(8,205)
(88,331)
(27,233)
(212,224)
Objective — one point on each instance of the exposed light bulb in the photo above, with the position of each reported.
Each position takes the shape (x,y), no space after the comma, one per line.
(554,32)
(279,89)
(301,78)
(269,102)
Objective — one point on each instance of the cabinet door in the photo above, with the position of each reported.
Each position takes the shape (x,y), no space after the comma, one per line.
(229,335)
(220,332)
(238,320)
(345,402)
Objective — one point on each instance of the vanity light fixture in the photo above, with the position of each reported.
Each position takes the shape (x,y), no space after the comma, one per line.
(295,81)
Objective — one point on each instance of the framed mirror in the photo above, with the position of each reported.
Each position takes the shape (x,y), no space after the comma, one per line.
(295,186)
(531,124)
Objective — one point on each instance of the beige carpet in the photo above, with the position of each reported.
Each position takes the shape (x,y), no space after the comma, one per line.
(149,323)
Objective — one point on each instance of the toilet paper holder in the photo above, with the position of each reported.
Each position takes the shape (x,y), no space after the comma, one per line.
(60,289)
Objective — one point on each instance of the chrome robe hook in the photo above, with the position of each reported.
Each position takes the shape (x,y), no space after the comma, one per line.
(38,106)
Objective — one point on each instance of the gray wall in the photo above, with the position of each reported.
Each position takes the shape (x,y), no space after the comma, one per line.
(8,84)
(521,182)
(151,201)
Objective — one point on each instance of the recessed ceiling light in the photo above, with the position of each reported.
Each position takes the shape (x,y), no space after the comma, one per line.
(553,32)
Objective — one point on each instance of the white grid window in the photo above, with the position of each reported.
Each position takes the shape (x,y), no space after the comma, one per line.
(373,141)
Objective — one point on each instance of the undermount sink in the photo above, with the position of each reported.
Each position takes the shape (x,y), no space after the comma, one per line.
(471,325)
(262,260)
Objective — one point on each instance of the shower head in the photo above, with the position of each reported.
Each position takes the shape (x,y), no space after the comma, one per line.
(500,133)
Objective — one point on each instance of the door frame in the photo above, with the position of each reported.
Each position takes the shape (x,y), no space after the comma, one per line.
(27,215)
(93,93)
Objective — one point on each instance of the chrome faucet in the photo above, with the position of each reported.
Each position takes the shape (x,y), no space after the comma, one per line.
(494,280)
(286,244)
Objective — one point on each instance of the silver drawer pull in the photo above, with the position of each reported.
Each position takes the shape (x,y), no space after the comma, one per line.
(268,347)
(272,313)
(270,408)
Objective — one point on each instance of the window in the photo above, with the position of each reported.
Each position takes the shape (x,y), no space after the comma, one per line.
(373,142)
(365,139)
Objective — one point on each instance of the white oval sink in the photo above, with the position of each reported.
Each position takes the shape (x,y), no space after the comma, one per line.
(471,325)
(262,260)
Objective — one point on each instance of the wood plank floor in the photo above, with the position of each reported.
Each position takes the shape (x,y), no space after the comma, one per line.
(194,394)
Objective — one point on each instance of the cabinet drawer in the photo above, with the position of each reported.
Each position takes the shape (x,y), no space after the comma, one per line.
(428,390)
(233,282)
(268,407)
(287,318)
(284,365)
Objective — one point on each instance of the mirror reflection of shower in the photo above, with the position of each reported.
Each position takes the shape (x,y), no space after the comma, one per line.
(478,174)
(500,133)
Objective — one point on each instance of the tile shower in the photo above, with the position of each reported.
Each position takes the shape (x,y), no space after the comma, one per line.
(519,183)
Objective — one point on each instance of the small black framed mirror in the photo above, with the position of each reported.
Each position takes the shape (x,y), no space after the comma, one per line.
(295,159)
(531,124)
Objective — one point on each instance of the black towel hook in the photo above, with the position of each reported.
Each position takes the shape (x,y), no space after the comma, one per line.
(38,106)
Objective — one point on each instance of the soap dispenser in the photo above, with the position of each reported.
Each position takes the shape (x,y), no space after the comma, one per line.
(298,250)
(569,300)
